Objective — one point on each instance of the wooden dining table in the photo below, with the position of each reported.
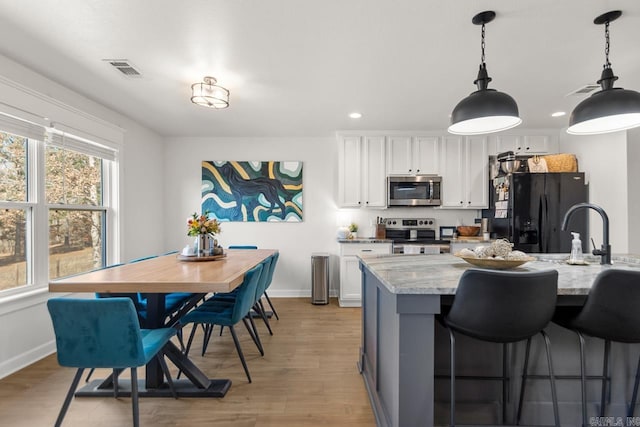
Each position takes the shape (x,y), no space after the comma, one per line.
(155,277)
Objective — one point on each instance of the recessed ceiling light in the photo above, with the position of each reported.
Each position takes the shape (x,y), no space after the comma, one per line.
(355,115)
(558,114)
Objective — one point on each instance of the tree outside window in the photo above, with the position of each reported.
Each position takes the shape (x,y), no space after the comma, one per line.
(73,188)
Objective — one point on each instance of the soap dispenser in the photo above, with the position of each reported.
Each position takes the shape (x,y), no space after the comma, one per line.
(576,249)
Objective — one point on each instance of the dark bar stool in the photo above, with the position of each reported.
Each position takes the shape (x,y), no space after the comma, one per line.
(611,313)
(503,307)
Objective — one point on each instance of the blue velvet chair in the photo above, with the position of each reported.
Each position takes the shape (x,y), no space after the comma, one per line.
(273,266)
(174,301)
(276,256)
(176,304)
(228,314)
(105,333)
(230,297)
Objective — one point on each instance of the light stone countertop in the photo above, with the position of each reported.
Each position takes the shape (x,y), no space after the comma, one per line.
(439,274)
(365,240)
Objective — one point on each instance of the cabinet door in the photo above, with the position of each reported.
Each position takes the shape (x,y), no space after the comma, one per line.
(399,155)
(374,178)
(523,145)
(508,143)
(452,172)
(477,173)
(350,281)
(536,144)
(426,155)
(349,170)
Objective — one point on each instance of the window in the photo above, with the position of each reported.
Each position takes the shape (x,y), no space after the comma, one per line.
(73,188)
(53,206)
(13,215)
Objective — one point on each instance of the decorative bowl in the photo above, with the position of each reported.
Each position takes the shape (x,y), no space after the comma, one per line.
(496,264)
(468,230)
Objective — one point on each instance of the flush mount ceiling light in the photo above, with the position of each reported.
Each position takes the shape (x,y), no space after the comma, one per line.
(611,109)
(485,110)
(208,94)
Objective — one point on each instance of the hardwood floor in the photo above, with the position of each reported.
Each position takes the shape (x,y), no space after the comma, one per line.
(307,377)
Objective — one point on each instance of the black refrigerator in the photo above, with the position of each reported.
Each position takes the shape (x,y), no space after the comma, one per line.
(528,208)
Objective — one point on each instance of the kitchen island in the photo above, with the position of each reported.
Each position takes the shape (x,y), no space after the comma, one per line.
(403,348)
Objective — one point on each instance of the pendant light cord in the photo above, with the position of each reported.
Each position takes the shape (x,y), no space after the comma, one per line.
(482,46)
(607,64)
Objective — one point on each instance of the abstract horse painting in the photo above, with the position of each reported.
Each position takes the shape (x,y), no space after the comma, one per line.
(252,191)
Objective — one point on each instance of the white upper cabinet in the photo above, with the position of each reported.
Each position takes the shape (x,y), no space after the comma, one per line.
(374,178)
(523,145)
(477,172)
(412,155)
(452,179)
(399,154)
(349,171)
(465,177)
(364,161)
(361,169)
(426,154)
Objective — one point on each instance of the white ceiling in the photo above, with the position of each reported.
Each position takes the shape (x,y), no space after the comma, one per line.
(298,67)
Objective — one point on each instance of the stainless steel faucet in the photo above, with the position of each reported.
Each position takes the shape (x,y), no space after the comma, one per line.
(605,249)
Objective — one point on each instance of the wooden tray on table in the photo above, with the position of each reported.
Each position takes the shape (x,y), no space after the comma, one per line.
(200,258)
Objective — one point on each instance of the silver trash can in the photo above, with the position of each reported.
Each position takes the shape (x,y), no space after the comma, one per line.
(320,278)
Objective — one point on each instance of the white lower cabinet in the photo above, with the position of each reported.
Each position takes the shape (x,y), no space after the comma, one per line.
(350,274)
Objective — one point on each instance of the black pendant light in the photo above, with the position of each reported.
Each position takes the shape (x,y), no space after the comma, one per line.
(485,110)
(611,109)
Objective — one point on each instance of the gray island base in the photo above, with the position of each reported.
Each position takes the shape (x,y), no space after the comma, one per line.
(404,356)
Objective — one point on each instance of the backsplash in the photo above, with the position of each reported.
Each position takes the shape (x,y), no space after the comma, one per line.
(366,218)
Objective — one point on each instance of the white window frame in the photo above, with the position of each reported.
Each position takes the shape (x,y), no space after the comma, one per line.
(37,209)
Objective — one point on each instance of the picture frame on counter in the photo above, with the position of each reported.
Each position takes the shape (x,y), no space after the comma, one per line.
(447,232)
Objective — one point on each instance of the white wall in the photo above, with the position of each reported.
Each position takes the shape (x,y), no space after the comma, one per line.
(603,158)
(143,192)
(25,327)
(295,241)
(633,170)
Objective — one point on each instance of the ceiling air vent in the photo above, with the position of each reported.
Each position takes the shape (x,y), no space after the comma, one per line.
(124,66)
(584,90)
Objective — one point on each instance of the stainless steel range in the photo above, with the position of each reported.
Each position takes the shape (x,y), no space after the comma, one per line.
(414,235)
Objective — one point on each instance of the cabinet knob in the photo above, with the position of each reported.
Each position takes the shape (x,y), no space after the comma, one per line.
(461,202)
(418,170)
(409,170)
(469,202)
(526,148)
(519,148)
(367,202)
(359,203)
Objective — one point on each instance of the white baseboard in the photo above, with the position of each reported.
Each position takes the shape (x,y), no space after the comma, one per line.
(16,363)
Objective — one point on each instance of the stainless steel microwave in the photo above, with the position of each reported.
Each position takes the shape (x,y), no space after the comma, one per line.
(414,190)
